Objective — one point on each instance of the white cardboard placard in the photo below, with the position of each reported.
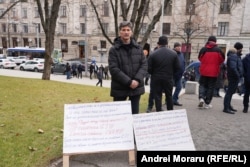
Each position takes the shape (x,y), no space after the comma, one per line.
(96,127)
(167,130)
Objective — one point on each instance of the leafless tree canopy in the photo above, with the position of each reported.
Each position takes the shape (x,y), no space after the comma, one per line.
(133,11)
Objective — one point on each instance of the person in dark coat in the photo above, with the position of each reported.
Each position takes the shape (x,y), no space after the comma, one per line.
(127,66)
(178,74)
(99,77)
(91,70)
(246,73)
(234,73)
(211,58)
(163,63)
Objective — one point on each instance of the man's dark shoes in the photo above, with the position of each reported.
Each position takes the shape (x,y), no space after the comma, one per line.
(232,109)
(228,111)
(177,104)
(245,110)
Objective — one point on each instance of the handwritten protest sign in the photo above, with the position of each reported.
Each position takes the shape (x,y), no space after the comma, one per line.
(95,127)
(168,130)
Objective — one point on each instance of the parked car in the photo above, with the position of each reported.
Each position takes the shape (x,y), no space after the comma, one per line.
(191,73)
(58,68)
(20,59)
(32,65)
(7,63)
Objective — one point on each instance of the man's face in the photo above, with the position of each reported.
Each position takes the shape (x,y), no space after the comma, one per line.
(125,33)
(178,48)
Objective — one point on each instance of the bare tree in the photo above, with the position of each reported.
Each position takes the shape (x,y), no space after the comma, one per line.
(11,6)
(48,21)
(136,17)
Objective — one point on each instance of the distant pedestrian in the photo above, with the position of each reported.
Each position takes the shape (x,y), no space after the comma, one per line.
(163,63)
(74,70)
(79,71)
(246,68)
(234,73)
(68,71)
(106,71)
(211,57)
(178,74)
(99,77)
(95,70)
(91,70)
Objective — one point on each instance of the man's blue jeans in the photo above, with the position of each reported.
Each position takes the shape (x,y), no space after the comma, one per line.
(178,86)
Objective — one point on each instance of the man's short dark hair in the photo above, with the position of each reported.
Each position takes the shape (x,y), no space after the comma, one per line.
(124,24)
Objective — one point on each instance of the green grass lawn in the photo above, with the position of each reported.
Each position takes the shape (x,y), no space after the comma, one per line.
(27,105)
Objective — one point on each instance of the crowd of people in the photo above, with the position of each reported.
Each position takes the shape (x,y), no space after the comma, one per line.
(96,72)
(132,67)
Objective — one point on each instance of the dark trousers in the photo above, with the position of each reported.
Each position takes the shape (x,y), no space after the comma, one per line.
(247,93)
(206,88)
(135,101)
(159,86)
(232,86)
(99,82)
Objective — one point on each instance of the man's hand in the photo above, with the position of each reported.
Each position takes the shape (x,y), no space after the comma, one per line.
(134,84)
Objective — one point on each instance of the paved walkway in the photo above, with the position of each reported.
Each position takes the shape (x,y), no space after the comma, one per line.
(211,129)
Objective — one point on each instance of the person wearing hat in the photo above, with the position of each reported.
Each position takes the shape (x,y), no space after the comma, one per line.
(211,57)
(234,74)
(163,63)
(178,74)
(127,66)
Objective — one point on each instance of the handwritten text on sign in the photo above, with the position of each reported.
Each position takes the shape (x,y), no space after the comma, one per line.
(97,127)
(168,130)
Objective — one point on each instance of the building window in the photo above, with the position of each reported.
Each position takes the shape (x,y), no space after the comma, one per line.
(25,41)
(103,44)
(143,28)
(190,7)
(25,28)
(63,28)
(24,12)
(4,28)
(168,10)
(222,29)
(225,6)
(105,27)
(14,15)
(166,28)
(83,28)
(83,10)
(4,42)
(64,45)
(1,12)
(63,11)
(14,27)
(106,9)
(36,12)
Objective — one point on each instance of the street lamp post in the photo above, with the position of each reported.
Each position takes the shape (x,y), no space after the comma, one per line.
(85,45)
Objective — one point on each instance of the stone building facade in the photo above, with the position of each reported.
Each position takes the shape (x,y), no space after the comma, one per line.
(184,21)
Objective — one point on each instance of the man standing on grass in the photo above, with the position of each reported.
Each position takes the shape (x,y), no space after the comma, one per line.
(127,66)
